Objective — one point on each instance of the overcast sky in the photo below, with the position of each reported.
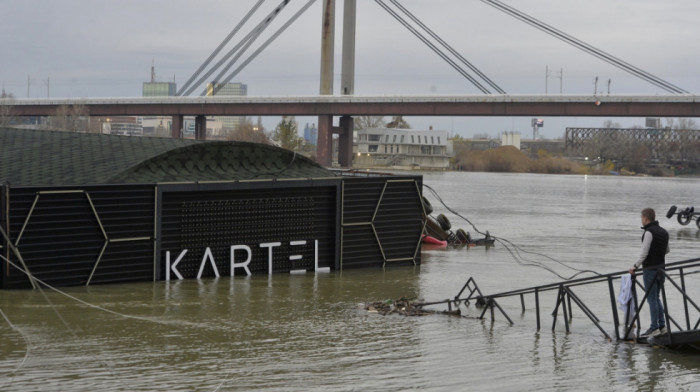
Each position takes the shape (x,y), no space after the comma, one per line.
(105,48)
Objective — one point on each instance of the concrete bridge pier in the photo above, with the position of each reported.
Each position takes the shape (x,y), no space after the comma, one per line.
(345,141)
(200,127)
(178,122)
(324,142)
(324,147)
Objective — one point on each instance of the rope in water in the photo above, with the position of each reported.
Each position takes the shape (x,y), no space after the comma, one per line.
(514,249)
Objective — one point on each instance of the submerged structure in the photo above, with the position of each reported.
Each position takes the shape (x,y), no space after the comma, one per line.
(82,209)
(681,312)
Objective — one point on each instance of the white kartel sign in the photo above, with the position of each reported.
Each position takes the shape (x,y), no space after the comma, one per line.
(239,250)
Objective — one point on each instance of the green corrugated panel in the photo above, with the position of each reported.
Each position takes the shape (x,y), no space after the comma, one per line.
(35,157)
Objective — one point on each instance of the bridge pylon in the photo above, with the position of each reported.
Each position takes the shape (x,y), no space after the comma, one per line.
(344,130)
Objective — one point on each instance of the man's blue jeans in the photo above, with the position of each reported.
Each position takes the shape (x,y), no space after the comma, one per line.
(652,285)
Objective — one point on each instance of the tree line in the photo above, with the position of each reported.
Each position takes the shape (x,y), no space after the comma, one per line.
(678,143)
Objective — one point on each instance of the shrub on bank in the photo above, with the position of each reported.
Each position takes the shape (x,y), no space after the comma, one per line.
(510,159)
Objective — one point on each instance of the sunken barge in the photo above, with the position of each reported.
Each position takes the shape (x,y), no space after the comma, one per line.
(85,209)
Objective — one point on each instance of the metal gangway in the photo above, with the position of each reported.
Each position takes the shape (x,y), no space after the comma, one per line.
(679,334)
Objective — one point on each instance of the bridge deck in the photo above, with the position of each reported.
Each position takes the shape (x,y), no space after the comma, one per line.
(684,105)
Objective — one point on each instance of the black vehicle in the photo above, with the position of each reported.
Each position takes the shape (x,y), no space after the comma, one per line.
(685,215)
(440,228)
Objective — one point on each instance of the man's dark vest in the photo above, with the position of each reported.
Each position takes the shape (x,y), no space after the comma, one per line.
(659,244)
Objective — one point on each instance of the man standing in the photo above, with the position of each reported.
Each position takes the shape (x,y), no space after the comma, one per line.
(653,259)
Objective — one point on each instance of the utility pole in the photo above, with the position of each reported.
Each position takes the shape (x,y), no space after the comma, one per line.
(561,80)
(48,86)
(548,73)
(595,88)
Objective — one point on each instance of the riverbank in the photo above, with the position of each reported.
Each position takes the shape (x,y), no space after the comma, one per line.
(508,159)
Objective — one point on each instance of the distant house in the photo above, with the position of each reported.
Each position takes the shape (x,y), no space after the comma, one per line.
(388,147)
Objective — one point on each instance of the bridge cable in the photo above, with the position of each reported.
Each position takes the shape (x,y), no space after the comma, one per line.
(220,84)
(221,46)
(448,47)
(433,47)
(257,30)
(514,249)
(264,45)
(586,47)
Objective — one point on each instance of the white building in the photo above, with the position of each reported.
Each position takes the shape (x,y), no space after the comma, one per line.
(403,148)
(510,139)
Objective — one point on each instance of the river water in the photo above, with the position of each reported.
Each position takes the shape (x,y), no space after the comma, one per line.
(310,332)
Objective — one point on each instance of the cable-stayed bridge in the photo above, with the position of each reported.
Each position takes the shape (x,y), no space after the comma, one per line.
(241,47)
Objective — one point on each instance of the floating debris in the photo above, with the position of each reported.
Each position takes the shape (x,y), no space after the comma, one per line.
(404,307)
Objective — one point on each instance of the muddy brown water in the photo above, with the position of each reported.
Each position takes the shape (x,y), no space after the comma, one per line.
(311,332)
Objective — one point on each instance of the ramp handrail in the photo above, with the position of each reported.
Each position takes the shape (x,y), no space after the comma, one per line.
(566,295)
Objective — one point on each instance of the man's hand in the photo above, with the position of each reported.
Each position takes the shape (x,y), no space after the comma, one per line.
(632,270)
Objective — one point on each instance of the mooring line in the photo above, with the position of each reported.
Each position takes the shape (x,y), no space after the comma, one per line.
(72,332)
(105,364)
(26,350)
(75,336)
(97,307)
(508,244)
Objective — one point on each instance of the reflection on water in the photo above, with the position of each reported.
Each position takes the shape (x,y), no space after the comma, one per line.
(310,332)
(688,233)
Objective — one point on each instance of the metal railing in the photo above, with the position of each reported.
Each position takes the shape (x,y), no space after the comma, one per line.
(674,273)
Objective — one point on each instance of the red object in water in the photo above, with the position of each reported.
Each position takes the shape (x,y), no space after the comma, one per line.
(426,239)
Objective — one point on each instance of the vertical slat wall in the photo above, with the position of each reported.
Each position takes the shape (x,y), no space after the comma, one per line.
(197,219)
(63,238)
(4,249)
(381,221)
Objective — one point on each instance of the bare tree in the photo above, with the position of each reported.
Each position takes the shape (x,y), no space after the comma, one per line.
(611,124)
(687,143)
(71,118)
(7,112)
(247,132)
(368,122)
(398,122)
(633,155)
(602,145)
(669,122)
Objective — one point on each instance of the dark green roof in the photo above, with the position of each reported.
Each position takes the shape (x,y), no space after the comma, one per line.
(36,157)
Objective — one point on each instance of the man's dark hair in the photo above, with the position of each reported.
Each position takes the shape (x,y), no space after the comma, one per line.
(649,214)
